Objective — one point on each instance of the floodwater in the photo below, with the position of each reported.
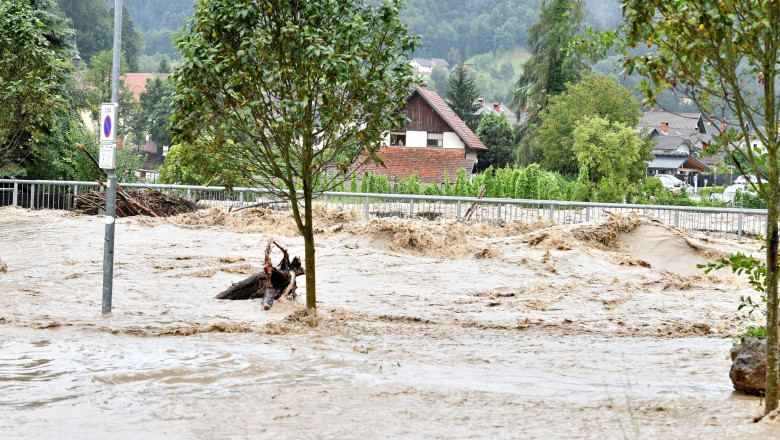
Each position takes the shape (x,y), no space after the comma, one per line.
(545,333)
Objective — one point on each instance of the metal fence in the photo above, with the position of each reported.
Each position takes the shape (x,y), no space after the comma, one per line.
(732,222)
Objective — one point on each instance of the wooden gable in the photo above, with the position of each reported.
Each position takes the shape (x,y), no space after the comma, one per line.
(422,117)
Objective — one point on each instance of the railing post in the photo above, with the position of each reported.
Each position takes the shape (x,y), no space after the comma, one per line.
(587,213)
(189,195)
(498,211)
(241,199)
(16,193)
(367,208)
(676,219)
(32,196)
(411,208)
(325,199)
(552,212)
(739,229)
(458,211)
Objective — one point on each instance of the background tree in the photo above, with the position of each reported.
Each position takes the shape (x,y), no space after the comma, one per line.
(462,95)
(495,132)
(594,95)
(32,47)
(439,77)
(548,70)
(613,154)
(289,88)
(151,119)
(709,50)
(93,25)
(97,80)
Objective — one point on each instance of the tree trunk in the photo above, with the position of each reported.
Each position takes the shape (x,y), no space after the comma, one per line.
(308,239)
(771,299)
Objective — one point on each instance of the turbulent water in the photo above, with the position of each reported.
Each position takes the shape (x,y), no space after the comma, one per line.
(536,335)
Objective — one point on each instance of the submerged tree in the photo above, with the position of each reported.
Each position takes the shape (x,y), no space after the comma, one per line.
(288,89)
(709,51)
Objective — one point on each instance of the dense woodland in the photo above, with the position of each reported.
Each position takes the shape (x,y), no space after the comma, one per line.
(491,34)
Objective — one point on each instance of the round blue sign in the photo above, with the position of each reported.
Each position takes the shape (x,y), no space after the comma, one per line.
(107,126)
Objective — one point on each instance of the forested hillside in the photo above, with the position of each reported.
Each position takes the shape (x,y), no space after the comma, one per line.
(477,27)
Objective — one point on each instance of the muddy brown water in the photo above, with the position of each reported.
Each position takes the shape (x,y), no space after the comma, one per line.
(534,343)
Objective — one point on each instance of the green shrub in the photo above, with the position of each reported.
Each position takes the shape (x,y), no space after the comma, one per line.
(527,186)
(462,185)
(749,200)
(653,186)
(353,185)
(432,189)
(448,191)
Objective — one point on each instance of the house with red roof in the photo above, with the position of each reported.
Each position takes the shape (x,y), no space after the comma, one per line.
(433,140)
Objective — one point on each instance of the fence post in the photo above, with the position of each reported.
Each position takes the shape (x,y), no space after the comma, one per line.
(241,199)
(739,229)
(552,212)
(411,208)
(498,212)
(325,197)
(16,193)
(458,211)
(676,219)
(587,214)
(32,196)
(189,195)
(367,208)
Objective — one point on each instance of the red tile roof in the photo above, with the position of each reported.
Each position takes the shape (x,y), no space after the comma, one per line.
(429,163)
(136,82)
(451,118)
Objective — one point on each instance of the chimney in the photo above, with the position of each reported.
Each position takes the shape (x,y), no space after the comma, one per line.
(423,86)
(723,123)
(709,119)
(660,110)
(497,107)
(665,127)
(480,100)
(652,110)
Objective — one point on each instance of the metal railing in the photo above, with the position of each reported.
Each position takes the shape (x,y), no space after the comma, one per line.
(733,222)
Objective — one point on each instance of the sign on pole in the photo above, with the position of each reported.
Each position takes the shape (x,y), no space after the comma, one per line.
(108,122)
(108,126)
(107,159)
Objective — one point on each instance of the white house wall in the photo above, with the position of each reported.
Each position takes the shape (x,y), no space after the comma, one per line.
(452,140)
(417,139)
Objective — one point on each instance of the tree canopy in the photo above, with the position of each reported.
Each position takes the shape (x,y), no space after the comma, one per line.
(594,95)
(462,94)
(495,132)
(32,47)
(288,89)
(549,69)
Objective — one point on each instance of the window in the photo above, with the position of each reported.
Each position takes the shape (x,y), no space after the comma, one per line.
(435,139)
(398,138)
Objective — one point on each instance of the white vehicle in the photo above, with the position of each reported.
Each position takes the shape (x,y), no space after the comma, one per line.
(730,192)
(670,182)
(749,180)
(743,180)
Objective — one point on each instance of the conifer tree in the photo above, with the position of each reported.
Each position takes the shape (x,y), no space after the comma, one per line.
(462,95)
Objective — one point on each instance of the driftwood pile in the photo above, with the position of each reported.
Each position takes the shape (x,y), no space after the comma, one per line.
(130,202)
(272,283)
